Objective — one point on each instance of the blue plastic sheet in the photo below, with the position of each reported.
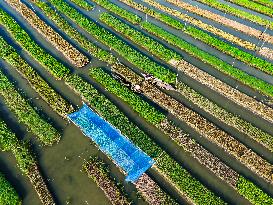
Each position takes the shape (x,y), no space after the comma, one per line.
(123,152)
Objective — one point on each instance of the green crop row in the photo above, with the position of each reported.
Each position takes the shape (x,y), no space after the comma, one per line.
(237,53)
(53,66)
(9,142)
(145,109)
(26,114)
(217,63)
(179,176)
(265,2)
(83,3)
(233,51)
(160,16)
(8,53)
(136,36)
(74,34)
(254,194)
(136,58)
(226,117)
(237,12)
(133,18)
(8,195)
(254,6)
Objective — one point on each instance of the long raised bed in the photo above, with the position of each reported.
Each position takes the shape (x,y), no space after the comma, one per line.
(26,115)
(239,13)
(70,52)
(74,34)
(224,21)
(98,171)
(26,162)
(83,4)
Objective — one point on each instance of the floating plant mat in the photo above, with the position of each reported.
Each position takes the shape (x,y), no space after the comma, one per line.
(123,152)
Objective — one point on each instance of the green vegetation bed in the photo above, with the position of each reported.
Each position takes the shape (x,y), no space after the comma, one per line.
(26,115)
(8,195)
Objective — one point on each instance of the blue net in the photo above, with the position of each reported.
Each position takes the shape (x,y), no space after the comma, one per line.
(124,153)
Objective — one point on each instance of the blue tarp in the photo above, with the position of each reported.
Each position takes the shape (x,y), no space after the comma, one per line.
(124,153)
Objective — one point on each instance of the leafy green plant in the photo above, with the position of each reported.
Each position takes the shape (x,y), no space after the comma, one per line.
(131,17)
(45,132)
(239,13)
(56,68)
(254,6)
(254,194)
(8,195)
(139,105)
(83,3)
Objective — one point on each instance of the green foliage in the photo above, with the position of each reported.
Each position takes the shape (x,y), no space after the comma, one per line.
(74,34)
(113,115)
(8,195)
(53,66)
(7,139)
(210,59)
(265,2)
(131,17)
(57,102)
(254,6)
(25,115)
(139,105)
(251,192)
(192,187)
(133,56)
(239,13)
(139,38)
(24,157)
(9,142)
(237,53)
(82,3)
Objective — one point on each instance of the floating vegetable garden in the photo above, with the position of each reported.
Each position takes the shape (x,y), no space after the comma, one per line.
(189,85)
